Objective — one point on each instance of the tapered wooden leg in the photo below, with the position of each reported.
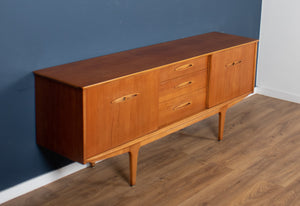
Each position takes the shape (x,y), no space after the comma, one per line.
(222,115)
(133,155)
(92,164)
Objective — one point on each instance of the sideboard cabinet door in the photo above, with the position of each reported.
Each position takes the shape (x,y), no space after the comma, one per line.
(231,74)
(120,111)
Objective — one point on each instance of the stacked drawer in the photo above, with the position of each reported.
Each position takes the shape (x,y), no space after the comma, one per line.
(182,90)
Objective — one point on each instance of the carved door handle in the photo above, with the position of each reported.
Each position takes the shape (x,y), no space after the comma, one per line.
(184,67)
(234,63)
(184,84)
(124,98)
(181,106)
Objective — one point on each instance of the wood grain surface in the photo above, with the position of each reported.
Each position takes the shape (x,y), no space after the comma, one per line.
(231,74)
(182,68)
(257,163)
(180,107)
(112,120)
(59,118)
(105,68)
(182,85)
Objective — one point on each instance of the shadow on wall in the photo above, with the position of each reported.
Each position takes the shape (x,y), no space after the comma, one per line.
(18,135)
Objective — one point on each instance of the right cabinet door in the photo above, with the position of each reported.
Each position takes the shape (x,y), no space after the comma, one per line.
(232,74)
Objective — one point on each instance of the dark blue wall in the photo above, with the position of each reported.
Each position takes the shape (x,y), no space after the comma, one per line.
(35,34)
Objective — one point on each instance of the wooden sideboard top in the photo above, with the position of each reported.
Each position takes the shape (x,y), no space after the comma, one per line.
(105,68)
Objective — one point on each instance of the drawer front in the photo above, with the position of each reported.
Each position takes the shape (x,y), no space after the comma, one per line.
(182,85)
(181,107)
(183,68)
(231,74)
(120,111)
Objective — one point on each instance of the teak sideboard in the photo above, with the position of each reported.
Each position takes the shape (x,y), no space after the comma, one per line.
(105,106)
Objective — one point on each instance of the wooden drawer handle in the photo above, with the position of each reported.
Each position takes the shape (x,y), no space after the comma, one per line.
(124,98)
(184,84)
(184,67)
(234,63)
(182,106)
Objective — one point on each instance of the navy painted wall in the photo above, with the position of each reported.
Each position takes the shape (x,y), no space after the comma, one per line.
(35,34)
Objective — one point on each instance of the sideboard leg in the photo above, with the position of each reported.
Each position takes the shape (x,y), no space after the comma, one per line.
(133,155)
(222,115)
(92,164)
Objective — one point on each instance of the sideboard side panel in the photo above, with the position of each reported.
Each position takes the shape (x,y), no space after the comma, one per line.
(59,122)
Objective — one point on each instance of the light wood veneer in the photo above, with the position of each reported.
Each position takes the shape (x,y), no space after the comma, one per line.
(109,105)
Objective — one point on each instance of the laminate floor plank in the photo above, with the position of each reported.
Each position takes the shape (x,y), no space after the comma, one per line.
(290,196)
(257,163)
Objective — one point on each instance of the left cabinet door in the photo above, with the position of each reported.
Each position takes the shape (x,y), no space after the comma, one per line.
(119,111)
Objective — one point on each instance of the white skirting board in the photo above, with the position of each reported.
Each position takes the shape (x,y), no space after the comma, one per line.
(50,177)
(278,94)
(39,181)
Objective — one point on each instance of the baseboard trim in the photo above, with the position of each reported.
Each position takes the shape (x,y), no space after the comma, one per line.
(39,181)
(277,94)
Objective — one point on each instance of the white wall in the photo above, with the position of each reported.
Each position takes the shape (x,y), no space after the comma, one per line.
(278,73)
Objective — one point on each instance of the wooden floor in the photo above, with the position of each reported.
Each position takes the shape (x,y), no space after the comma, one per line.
(257,163)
